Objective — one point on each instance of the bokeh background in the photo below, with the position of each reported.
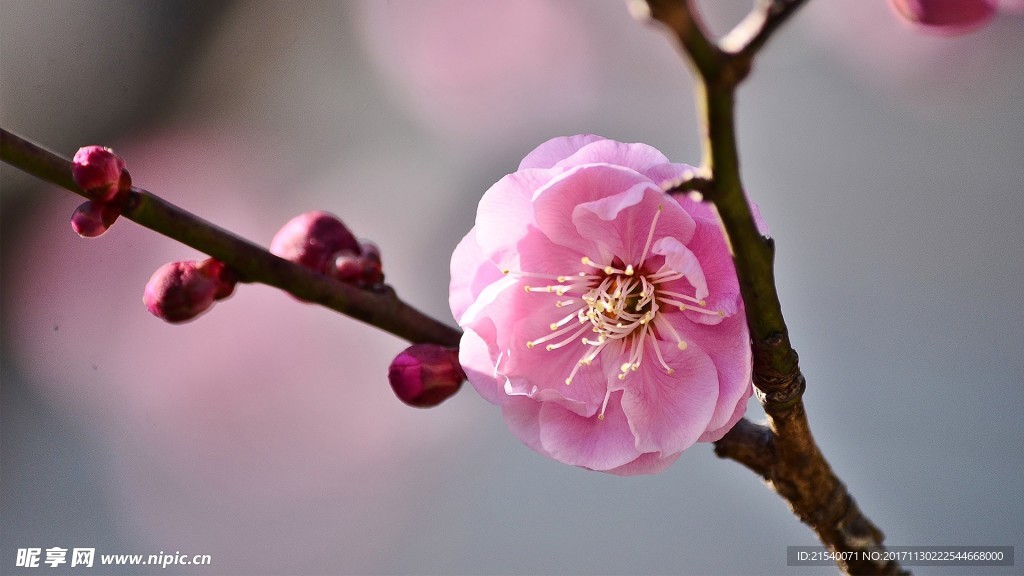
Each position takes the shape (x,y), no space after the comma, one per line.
(889,165)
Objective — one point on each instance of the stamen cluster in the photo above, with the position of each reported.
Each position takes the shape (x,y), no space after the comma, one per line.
(627,304)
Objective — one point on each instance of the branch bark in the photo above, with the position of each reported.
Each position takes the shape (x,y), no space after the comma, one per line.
(784,452)
(252,262)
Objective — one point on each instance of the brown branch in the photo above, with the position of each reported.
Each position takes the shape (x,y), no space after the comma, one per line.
(784,452)
(255,264)
(751,34)
(691,183)
(749,444)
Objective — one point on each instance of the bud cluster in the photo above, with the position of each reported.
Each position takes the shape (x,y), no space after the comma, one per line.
(321,242)
(180,291)
(101,174)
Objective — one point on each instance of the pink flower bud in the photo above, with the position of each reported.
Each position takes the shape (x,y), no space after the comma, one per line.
(179,291)
(424,375)
(370,250)
(373,269)
(312,239)
(362,270)
(92,218)
(948,17)
(98,171)
(225,278)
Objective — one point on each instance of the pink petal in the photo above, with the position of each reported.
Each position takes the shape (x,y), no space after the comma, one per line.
(621,224)
(477,360)
(589,442)
(728,346)
(668,412)
(638,157)
(593,221)
(522,416)
(507,210)
(471,272)
(714,435)
(555,150)
(702,209)
(486,308)
(539,255)
(541,373)
(665,175)
(650,463)
(507,317)
(712,251)
(721,290)
(555,204)
(762,226)
(683,261)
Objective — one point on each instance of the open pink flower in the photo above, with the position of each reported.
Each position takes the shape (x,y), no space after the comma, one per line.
(600,313)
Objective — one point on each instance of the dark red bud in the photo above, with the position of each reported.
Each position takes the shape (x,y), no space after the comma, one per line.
(369,250)
(93,218)
(312,239)
(98,171)
(949,17)
(178,292)
(424,375)
(373,269)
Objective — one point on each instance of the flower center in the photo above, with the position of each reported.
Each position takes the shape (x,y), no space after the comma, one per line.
(616,302)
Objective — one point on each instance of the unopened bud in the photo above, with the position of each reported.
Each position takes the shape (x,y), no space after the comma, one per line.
(948,17)
(362,270)
(179,291)
(93,218)
(424,375)
(99,172)
(373,269)
(369,250)
(312,239)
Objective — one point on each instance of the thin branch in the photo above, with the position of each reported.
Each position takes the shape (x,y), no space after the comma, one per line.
(255,264)
(692,183)
(749,444)
(784,452)
(751,34)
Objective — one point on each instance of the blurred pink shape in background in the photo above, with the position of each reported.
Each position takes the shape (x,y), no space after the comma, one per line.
(472,69)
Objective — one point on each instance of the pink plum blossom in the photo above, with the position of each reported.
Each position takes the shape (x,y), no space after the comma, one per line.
(602,314)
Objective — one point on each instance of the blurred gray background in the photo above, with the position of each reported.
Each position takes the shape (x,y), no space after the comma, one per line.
(889,165)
